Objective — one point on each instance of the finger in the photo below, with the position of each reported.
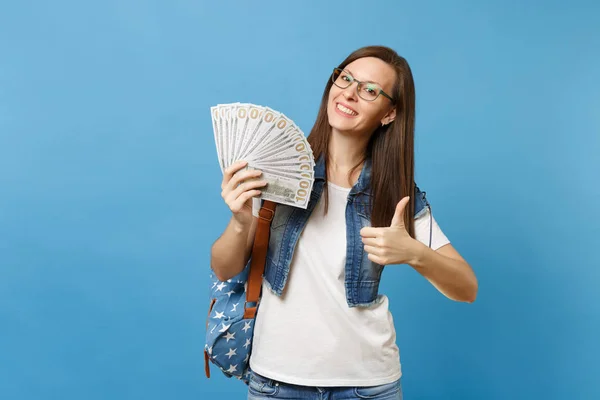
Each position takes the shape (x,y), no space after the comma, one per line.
(240,202)
(398,219)
(376,251)
(231,170)
(242,176)
(376,259)
(245,186)
(370,241)
(370,232)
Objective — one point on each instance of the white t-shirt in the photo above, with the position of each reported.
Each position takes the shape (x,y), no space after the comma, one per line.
(310,336)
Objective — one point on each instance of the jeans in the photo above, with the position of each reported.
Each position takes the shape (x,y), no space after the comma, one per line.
(261,388)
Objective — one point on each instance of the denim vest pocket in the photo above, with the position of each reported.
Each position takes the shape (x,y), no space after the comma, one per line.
(363,206)
(282,216)
(362,203)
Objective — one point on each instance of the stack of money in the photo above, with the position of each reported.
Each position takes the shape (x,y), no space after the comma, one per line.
(270,142)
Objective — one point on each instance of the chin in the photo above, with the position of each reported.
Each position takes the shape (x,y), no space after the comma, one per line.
(338,122)
(339,125)
(342,125)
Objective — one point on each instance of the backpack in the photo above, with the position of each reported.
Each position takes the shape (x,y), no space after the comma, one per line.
(233,306)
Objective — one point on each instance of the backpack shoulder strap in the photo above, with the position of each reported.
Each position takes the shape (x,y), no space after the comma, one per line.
(259,257)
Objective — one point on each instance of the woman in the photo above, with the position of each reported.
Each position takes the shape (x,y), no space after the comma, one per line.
(323,330)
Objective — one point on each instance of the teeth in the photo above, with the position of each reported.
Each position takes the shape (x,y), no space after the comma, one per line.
(345,110)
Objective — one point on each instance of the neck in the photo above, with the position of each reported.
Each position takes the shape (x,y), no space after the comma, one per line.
(346,151)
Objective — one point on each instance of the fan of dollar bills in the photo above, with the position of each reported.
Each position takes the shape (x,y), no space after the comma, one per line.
(270,142)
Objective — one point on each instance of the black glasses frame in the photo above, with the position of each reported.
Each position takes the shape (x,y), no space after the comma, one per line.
(338,71)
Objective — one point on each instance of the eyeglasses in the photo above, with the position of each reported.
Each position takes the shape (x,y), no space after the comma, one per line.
(366,90)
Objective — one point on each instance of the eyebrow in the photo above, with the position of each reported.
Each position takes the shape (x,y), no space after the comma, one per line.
(351,73)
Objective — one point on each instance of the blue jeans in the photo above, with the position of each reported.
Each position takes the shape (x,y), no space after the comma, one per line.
(261,388)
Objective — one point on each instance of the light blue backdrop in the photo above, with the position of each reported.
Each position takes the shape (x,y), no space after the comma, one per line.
(110,197)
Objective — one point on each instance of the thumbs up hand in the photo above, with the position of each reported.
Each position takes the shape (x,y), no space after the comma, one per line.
(393,244)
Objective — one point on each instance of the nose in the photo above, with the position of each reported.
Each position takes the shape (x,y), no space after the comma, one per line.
(350,93)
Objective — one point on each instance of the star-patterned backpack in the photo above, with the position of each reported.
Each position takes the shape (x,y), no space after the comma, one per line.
(233,306)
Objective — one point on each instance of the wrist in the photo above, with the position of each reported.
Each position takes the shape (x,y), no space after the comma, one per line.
(238,227)
(418,254)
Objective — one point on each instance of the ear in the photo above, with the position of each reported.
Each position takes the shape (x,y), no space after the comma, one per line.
(389,117)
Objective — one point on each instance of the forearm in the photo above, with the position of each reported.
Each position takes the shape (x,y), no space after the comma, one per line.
(230,252)
(450,275)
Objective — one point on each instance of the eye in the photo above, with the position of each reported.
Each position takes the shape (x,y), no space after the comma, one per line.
(371,89)
(346,78)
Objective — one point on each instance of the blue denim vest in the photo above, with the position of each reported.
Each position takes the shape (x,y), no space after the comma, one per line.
(362,276)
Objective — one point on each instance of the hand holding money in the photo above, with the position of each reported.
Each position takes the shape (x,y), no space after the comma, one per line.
(238,188)
(270,142)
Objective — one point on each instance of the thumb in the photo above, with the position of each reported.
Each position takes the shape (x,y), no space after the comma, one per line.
(398,220)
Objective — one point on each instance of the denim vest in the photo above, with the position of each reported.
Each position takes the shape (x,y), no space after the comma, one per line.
(362,276)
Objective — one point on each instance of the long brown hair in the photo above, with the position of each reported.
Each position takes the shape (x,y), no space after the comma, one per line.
(391,147)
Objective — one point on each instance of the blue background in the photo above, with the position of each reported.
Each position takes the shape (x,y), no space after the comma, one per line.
(110,186)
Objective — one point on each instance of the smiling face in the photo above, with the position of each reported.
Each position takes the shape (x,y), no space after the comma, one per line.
(348,112)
